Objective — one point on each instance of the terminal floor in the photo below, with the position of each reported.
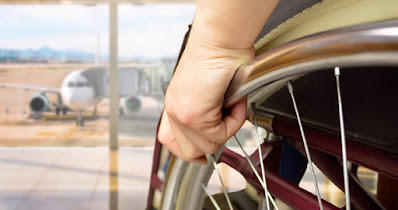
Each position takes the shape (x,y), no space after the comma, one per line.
(74,178)
(97,178)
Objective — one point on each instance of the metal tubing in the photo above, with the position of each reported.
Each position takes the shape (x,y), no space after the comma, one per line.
(343,141)
(373,44)
(281,188)
(155,182)
(307,152)
(113,78)
(372,158)
(260,155)
(222,182)
(332,168)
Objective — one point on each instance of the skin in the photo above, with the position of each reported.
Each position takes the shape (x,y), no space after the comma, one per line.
(221,40)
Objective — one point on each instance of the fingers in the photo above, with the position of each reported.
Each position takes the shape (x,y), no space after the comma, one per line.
(209,138)
(191,144)
(193,141)
(166,137)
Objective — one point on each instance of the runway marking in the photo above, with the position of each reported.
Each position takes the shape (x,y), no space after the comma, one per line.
(65,117)
(35,138)
(46,133)
(93,133)
(71,131)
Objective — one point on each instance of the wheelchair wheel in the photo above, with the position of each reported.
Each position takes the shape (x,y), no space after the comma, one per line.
(303,52)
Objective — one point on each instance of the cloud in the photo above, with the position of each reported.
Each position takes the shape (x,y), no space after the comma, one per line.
(151,30)
(153,40)
(159,29)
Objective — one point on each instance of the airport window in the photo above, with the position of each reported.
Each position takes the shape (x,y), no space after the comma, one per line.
(41,45)
(44,46)
(150,38)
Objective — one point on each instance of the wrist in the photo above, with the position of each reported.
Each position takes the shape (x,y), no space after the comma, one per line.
(203,46)
(209,31)
(231,23)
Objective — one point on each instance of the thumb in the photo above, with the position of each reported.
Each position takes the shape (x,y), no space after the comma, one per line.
(236,118)
(166,136)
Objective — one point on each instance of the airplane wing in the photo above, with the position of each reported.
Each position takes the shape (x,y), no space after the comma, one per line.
(31,88)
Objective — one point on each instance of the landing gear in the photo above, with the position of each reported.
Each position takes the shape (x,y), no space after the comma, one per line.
(79,121)
(59,106)
(121,111)
(95,111)
(64,110)
(59,109)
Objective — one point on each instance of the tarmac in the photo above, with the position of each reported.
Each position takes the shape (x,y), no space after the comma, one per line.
(135,129)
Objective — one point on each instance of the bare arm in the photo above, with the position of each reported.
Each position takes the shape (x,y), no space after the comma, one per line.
(222,38)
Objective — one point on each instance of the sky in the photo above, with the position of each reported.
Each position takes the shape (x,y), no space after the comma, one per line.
(144,30)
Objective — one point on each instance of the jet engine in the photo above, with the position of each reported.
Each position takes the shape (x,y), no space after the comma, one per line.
(39,103)
(130,104)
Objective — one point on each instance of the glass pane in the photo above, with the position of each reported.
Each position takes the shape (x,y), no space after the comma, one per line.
(48,62)
(48,49)
(150,38)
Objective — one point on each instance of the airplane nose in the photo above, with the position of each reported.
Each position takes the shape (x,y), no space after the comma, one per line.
(78,99)
(73,98)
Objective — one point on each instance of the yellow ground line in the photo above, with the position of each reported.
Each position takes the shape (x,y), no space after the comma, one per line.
(71,131)
(66,117)
(91,133)
(35,138)
(46,133)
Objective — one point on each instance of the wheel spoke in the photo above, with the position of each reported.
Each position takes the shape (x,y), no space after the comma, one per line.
(343,144)
(260,156)
(290,87)
(211,197)
(257,175)
(222,183)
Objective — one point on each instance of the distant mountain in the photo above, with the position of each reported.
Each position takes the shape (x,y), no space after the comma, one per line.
(44,53)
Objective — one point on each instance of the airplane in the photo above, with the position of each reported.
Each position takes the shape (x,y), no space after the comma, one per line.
(83,89)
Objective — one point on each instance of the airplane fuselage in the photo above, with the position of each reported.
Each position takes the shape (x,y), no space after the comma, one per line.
(77,93)
(83,89)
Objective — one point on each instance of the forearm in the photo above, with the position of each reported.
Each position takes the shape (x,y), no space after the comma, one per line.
(230,23)
(221,39)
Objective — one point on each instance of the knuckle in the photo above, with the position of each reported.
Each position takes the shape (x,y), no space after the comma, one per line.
(169,108)
(186,118)
(161,139)
(192,153)
(165,136)
(220,140)
(211,148)
(182,112)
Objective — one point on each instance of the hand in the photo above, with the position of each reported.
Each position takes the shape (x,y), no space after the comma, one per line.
(221,40)
(193,123)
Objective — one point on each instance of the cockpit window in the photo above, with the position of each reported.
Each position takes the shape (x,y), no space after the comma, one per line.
(71,84)
(80,84)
